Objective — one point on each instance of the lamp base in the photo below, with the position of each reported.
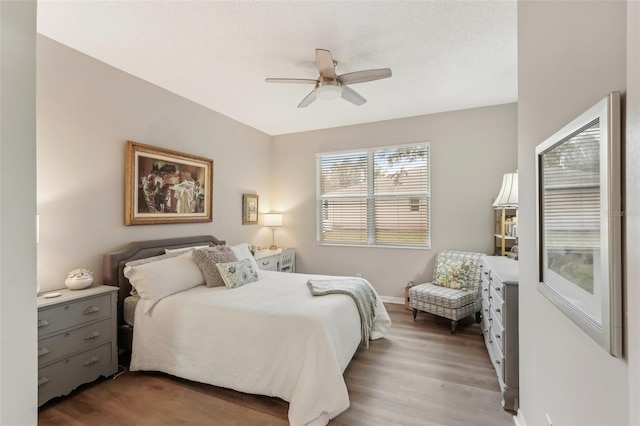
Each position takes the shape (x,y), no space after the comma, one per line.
(273,247)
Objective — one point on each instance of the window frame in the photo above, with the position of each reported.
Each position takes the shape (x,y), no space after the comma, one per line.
(371,197)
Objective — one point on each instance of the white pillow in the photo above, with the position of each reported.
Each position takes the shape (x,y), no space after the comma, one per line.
(242,252)
(182,249)
(157,280)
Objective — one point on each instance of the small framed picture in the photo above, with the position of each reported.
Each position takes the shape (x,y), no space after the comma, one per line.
(249,209)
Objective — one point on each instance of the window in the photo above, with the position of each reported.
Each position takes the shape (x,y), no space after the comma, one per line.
(374,197)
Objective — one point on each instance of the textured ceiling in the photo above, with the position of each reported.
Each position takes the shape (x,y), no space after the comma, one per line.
(444,55)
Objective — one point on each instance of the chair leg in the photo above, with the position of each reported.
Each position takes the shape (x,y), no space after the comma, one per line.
(454,324)
(478,317)
(415,312)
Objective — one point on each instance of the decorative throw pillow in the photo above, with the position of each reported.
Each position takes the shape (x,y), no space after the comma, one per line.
(207,259)
(236,274)
(453,274)
(156,280)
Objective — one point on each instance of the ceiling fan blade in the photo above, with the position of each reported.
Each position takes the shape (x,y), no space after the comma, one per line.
(291,80)
(351,96)
(308,99)
(326,67)
(362,76)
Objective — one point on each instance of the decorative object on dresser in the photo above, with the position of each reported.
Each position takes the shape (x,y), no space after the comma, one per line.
(579,221)
(500,323)
(281,260)
(506,215)
(273,220)
(454,292)
(76,339)
(165,186)
(79,279)
(249,209)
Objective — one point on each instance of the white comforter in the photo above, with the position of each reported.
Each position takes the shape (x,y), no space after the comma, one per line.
(270,337)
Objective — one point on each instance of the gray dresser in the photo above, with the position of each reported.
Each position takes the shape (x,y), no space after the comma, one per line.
(76,339)
(500,323)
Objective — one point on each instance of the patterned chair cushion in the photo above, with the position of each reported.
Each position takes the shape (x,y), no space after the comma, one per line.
(447,297)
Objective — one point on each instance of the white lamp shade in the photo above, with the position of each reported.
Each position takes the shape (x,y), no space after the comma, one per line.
(273,219)
(508,195)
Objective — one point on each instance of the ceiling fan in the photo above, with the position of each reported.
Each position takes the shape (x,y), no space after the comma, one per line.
(331,86)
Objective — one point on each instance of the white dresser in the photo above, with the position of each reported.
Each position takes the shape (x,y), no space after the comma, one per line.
(76,339)
(500,323)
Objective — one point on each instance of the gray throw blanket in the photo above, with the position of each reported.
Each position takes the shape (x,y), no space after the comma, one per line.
(360,291)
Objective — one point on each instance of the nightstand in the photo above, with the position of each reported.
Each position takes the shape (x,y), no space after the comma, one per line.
(76,339)
(281,260)
(268,259)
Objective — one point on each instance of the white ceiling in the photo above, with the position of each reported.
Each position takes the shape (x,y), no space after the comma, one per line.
(444,55)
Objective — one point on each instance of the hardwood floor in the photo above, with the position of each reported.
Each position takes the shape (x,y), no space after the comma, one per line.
(420,374)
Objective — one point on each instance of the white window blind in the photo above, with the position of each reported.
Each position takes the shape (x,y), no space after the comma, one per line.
(375,196)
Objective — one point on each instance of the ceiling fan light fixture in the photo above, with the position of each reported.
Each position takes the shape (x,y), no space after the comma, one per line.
(329,92)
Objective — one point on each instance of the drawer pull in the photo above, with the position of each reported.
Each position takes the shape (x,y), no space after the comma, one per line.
(490,319)
(498,310)
(92,335)
(486,273)
(497,336)
(43,323)
(498,289)
(91,309)
(91,360)
(486,310)
(485,289)
(43,352)
(486,330)
(265,263)
(43,381)
(498,361)
(490,341)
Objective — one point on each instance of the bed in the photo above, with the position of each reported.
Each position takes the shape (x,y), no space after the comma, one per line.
(269,337)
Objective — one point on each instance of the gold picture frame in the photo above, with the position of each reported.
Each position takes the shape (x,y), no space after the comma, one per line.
(249,209)
(166,186)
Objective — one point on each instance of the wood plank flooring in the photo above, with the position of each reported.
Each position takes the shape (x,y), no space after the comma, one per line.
(420,374)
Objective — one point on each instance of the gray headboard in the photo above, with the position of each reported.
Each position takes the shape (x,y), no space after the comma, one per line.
(113,263)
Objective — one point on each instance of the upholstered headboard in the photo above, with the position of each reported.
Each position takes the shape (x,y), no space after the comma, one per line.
(113,263)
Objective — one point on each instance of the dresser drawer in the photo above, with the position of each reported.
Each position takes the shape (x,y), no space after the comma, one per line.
(62,344)
(497,302)
(497,333)
(73,313)
(63,376)
(268,263)
(497,358)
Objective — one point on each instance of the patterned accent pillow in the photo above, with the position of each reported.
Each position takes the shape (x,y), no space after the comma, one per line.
(207,259)
(453,274)
(236,274)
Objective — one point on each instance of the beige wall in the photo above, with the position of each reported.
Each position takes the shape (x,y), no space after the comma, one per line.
(18,335)
(470,151)
(86,112)
(632,237)
(570,55)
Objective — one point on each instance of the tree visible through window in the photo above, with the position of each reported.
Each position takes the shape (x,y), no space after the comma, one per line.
(378,196)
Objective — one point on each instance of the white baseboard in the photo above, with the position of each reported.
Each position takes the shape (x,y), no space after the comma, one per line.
(389,299)
(519,419)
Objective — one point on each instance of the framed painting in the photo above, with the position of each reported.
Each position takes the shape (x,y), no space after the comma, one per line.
(165,186)
(249,209)
(579,222)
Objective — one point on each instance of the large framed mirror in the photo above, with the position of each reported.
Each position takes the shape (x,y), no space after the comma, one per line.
(579,220)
